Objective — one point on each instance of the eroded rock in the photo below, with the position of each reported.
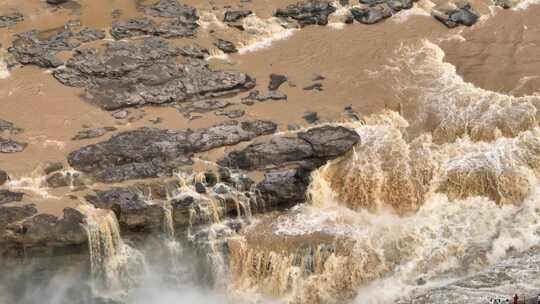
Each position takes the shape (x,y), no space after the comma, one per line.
(315,145)
(308,13)
(149,152)
(11,19)
(92,133)
(142,26)
(226,46)
(11,146)
(132,74)
(7,196)
(453,16)
(234,16)
(40,48)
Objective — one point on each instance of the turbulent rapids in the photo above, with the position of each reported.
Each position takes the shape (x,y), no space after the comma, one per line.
(309,152)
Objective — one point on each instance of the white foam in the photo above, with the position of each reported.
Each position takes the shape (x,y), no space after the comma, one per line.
(524,4)
(263,33)
(4,72)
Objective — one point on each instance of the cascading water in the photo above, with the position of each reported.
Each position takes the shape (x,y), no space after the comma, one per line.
(114,265)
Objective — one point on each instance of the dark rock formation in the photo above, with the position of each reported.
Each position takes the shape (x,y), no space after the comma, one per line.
(234,16)
(316,146)
(506,4)
(40,48)
(276,81)
(463,14)
(45,229)
(64,179)
(256,95)
(148,152)
(11,19)
(9,215)
(226,46)
(202,106)
(311,117)
(371,15)
(11,146)
(308,13)
(56,2)
(143,26)
(92,133)
(132,74)
(131,208)
(7,196)
(4,177)
(9,127)
(173,9)
(314,87)
(194,51)
(53,167)
(283,188)
(232,114)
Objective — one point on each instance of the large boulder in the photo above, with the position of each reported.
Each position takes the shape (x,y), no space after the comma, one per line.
(282,188)
(453,16)
(48,230)
(133,210)
(148,152)
(40,48)
(308,13)
(316,145)
(132,74)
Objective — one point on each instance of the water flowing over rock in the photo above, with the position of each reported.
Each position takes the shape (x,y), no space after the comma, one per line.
(148,152)
(308,13)
(40,48)
(132,74)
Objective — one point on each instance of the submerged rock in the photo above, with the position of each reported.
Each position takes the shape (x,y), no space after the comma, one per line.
(11,146)
(92,133)
(143,26)
(132,74)
(148,152)
(7,196)
(40,48)
(4,177)
(226,46)
(7,126)
(316,145)
(308,13)
(11,19)
(194,51)
(276,81)
(463,14)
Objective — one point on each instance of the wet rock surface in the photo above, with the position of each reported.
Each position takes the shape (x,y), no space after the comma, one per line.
(7,196)
(10,19)
(315,145)
(234,16)
(452,16)
(11,146)
(131,208)
(92,133)
(284,188)
(143,26)
(41,48)
(276,80)
(132,74)
(44,229)
(173,9)
(149,152)
(226,46)
(4,177)
(9,127)
(194,51)
(308,13)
